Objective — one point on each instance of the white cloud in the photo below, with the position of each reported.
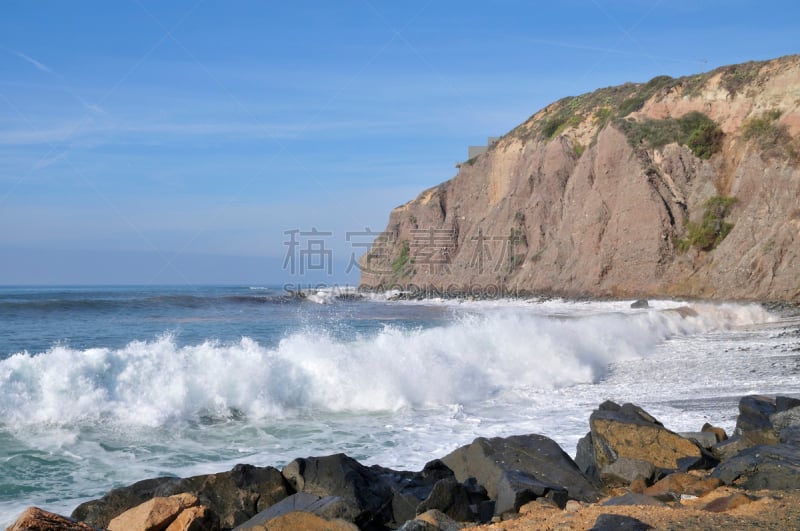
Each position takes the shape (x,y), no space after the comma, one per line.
(39,66)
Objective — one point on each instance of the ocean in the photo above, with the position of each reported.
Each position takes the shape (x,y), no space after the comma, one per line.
(104,386)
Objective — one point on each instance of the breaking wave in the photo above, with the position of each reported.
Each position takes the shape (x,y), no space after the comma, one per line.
(477,356)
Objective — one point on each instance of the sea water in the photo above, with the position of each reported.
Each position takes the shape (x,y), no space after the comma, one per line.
(104,386)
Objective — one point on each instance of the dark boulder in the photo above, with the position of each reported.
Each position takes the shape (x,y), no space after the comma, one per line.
(584,457)
(641,303)
(409,489)
(619,522)
(753,424)
(535,455)
(624,471)
(786,419)
(382,496)
(328,508)
(234,496)
(100,512)
(774,467)
(343,476)
(460,501)
(516,488)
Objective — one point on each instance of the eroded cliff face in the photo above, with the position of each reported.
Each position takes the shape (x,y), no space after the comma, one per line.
(677,187)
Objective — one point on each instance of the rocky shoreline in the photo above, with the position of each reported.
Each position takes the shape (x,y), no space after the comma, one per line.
(630,472)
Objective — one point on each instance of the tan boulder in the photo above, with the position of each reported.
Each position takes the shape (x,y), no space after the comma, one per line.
(440,520)
(721,505)
(153,515)
(35,519)
(198,518)
(682,483)
(629,432)
(297,520)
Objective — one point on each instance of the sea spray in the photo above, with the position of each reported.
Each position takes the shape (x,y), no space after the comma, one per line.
(479,355)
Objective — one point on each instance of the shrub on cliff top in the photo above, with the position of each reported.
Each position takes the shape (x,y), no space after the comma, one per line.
(695,130)
(772,137)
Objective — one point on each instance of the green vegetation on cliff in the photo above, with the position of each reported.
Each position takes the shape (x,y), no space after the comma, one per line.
(771,137)
(695,130)
(708,234)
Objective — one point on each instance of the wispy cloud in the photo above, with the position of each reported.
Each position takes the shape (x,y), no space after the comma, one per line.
(38,65)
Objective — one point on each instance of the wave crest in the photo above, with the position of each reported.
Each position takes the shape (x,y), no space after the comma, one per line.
(481,355)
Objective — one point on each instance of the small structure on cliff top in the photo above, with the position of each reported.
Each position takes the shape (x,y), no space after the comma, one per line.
(474,151)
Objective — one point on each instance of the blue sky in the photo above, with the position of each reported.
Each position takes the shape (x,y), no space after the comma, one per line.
(177,142)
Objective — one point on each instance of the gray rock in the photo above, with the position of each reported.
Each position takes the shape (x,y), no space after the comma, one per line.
(100,512)
(584,457)
(763,467)
(641,303)
(785,403)
(329,508)
(623,471)
(753,423)
(516,488)
(538,456)
(234,496)
(633,498)
(459,501)
(381,495)
(619,522)
(705,439)
(786,422)
(409,489)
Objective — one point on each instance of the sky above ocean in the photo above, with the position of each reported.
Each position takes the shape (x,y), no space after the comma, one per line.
(189,142)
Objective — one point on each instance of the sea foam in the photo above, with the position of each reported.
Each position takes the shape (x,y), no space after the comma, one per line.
(484,353)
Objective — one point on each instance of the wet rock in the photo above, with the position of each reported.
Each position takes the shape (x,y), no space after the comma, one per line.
(39,520)
(234,496)
(409,489)
(786,420)
(641,303)
(343,476)
(155,514)
(100,512)
(459,501)
(619,522)
(381,496)
(753,424)
(328,508)
(624,471)
(584,457)
(516,488)
(704,439)
(628,431)
(762,467)
(535,455)
(785,403)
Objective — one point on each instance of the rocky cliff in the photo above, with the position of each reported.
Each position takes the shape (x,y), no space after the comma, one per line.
(675,187)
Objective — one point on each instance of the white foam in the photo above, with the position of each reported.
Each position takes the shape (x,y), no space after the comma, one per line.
(482,354)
